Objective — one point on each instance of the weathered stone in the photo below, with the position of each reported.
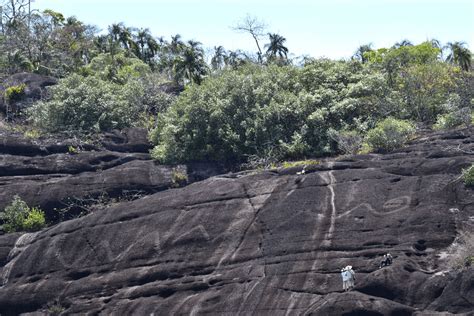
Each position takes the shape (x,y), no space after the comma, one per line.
(35,89)
(263,243)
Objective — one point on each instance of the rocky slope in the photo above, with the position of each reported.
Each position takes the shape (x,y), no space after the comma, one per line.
(270,242)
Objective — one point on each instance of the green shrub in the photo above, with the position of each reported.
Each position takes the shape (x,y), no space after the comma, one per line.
(91,104)
(32,133)
(468,176)
(348,141)
(14,215)
(18,216)
(72,150)
(238,114)
(117,68)
(178,178)
(389,134)
(85,105)
(454,119)
(15,93)
(35,220)
(304,163)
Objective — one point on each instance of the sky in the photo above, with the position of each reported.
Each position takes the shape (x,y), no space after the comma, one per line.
(326,28)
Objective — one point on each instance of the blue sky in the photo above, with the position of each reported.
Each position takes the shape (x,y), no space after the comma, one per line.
(332,28)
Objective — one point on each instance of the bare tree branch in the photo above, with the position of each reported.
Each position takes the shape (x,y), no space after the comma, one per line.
(254,27)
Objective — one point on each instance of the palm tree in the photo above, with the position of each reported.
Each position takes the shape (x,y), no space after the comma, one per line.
(235,59)
(190,65)
(115,30)
(126,39)
(102,43)
(146,46)
(276,46)
(360,53)
(176,44)
(403,43)
(123,36)
(218,60)
(459,55)
(435,43)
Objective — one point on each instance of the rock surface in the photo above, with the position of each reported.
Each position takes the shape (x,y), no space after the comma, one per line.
(266,243)
(67,174)
(35,89)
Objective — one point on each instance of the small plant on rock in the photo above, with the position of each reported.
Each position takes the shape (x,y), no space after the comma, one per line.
(18,216)
(15,93)
(303,163)
(35,220)
(178,178)
(72,150)
(55,308)
(468,176)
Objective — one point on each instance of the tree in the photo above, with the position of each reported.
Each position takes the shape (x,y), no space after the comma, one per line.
(276,47)
(122,35)
(218,60)
(459,55)
(190,66)
(255,28)
(176,44)
(235,59)
(114,31)
(15,11)
(146,45)
(403,43)
(360,53)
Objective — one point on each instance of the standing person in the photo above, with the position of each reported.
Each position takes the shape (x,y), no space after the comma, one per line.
(389,259)
(383,263)
(351,277)
(345,280)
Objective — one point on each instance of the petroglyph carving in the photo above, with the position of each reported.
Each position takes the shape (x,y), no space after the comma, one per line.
(104,250)
(390,207)
(196,234)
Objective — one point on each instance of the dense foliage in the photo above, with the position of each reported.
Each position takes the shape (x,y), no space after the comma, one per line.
(89,104)
(240,106)
(294,112)
(249,110)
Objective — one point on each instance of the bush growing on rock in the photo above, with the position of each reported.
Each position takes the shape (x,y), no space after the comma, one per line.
(389,134)
(15,93)
(348,141)
(89,104)
(18,216)
(241,113)
(463,251)
(178,178)
(84,105)
(468,176)
(116,68)
(461,117)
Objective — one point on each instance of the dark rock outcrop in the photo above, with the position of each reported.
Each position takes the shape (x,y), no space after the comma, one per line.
(68,174)
(35,88)
(263,243)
